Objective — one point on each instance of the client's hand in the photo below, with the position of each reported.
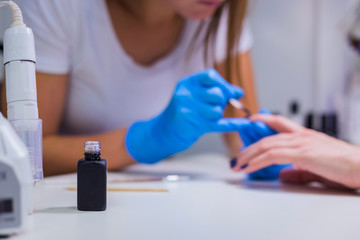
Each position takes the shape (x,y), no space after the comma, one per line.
(196,108)
(316,156)
(251,133)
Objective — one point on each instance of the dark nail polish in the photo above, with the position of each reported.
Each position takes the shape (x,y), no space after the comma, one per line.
(91,176)
(233,162)
(243,166)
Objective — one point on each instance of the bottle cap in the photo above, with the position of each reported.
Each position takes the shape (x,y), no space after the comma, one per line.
(92,147)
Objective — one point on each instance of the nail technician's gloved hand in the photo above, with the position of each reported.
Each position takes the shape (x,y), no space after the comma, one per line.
(251,133)
(196,108)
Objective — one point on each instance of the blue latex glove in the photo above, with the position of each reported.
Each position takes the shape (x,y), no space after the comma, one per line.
(251,133)
(196,108)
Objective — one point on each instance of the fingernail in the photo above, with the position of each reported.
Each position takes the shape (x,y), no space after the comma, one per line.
(233,162)
(243,166)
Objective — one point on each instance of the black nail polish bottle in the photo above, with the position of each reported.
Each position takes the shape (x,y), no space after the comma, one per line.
(91,179)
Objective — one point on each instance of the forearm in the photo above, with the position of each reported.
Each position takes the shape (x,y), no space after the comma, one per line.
(233,143)
(61,153)
(232,140)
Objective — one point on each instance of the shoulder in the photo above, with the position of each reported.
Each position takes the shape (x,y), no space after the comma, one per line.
(48,5)
(49,11)
(54,23)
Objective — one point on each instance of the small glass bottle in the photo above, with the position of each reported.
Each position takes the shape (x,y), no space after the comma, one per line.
(91,179)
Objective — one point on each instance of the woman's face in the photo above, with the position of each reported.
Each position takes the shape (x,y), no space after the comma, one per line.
(195,9)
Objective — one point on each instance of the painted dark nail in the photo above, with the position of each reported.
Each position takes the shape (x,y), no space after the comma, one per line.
(233,162)
(244,166)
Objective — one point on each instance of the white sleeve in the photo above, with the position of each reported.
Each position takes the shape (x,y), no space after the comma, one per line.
(246,38)
(51,24)
(245,41)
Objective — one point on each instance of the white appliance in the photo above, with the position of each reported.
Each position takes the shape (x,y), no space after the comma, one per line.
(21,134)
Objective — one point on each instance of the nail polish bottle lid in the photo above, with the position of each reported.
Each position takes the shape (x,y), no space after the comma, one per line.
(92,147)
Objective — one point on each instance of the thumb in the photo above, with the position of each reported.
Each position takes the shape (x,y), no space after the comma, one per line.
(265,111)
(229,124)
(261,129)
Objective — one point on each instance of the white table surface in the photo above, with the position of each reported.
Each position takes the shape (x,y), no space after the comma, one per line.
(214,204)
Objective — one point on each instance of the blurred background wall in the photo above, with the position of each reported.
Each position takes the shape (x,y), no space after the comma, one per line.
(298,52)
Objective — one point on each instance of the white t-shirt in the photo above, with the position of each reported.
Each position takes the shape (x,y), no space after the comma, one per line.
(107,88)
